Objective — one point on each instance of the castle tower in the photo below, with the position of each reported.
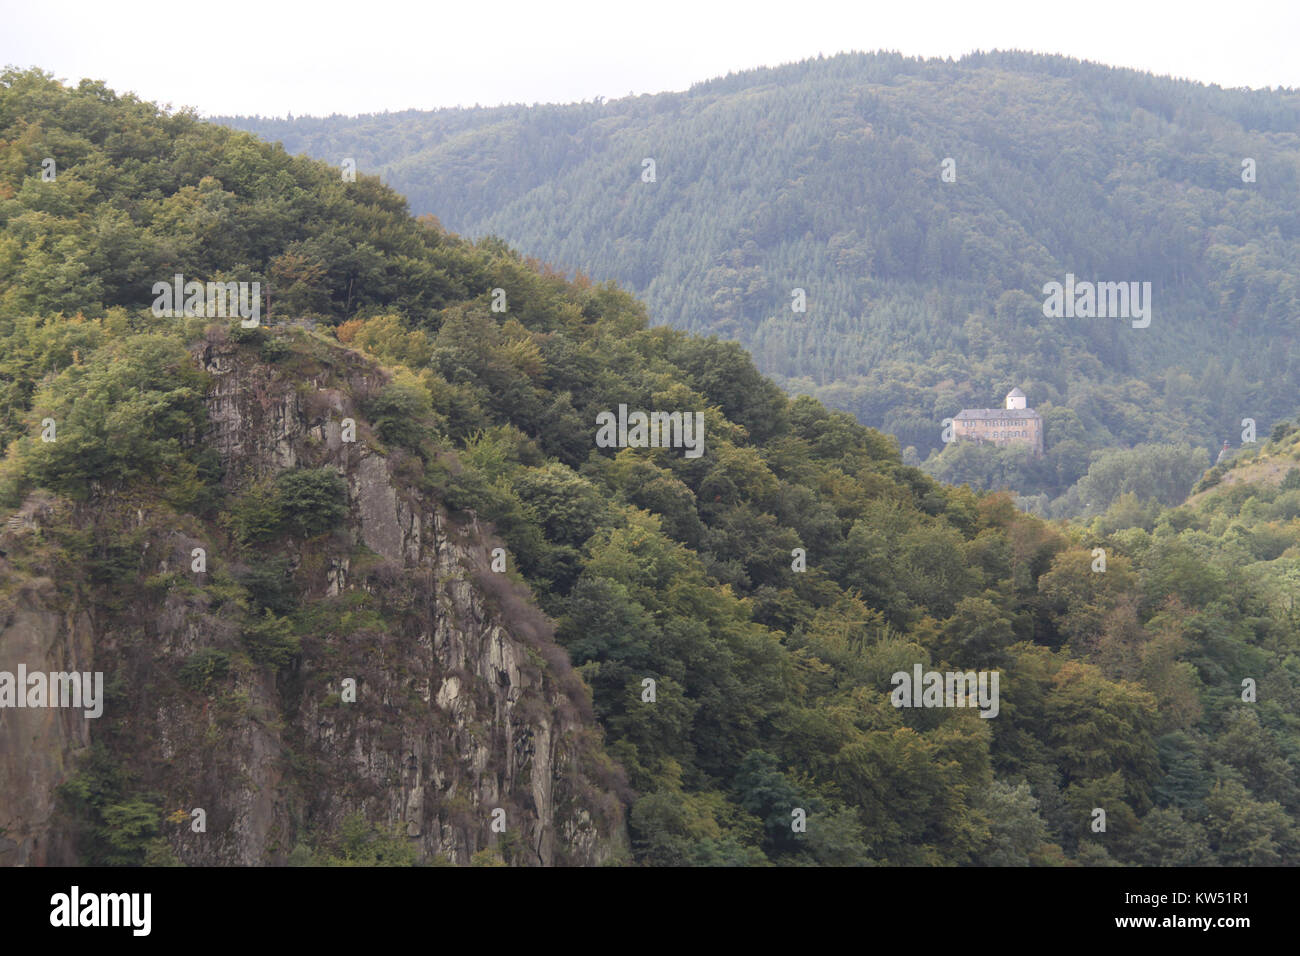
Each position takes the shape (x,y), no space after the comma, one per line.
(1014,425)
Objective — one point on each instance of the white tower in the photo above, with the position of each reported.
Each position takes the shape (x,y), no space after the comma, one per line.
(1015,398)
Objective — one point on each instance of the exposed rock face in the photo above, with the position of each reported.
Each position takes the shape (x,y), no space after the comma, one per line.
(463,705)
(38,744)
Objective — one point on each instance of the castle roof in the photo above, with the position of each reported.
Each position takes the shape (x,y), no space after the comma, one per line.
(983,414)
(1015,393)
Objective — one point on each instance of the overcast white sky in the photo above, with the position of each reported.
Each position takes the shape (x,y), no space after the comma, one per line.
(344,56)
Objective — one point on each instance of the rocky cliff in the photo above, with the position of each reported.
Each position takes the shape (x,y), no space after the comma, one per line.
(426,695)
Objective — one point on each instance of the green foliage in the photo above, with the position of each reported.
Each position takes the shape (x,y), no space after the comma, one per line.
(1148,474)
(769,795)
(402,414)
(274,350)
(270,639)
(1282,431)
(116,826)
(132,412)
(131,828)
(670,828)
(311,500)
(305,502)
(359,843)
(1016,830)
(202,668)
(257,515)
(269,584)
(1161,472)
(301,856)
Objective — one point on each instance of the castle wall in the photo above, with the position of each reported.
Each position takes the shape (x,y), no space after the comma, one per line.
(1002,430)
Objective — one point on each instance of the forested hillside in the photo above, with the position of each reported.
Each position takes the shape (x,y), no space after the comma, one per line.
(924,295)
(768,588)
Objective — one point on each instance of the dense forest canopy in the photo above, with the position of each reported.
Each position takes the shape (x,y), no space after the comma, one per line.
(924,296)
(1121,686)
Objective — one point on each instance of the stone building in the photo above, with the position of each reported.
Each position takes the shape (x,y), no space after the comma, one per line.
(1013,425)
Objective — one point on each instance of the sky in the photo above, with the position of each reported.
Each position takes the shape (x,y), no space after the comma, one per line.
(341,56)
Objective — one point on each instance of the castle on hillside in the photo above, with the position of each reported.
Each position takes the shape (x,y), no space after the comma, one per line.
(1013,425)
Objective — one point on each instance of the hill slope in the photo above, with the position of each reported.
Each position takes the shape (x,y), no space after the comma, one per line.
(923,296)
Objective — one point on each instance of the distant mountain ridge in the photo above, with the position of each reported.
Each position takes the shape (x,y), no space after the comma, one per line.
(923,296)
